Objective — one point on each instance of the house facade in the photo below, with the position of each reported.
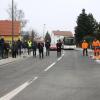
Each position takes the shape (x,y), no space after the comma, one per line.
(57,34)
(6,30)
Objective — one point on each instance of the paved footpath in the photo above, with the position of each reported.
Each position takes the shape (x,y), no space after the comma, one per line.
(10,59)
(23,56)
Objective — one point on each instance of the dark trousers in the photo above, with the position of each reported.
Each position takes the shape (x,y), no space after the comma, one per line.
(85,51)
(2,53)
(6,53)
(34,52)
(47,52)
(41,54)
(13,53)
(29,50)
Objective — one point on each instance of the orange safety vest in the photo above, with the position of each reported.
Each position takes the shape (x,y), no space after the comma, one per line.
(84,45)
(95,43)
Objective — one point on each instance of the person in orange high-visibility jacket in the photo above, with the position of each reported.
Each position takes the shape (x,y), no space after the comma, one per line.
(95,46)
(85,47)
(98,48)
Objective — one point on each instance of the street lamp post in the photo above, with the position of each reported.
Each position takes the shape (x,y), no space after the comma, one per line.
(44,30)
(12,21)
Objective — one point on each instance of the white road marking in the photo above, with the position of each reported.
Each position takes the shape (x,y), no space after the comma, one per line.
(53,63)
(60,57)
(14,92)
(50,66)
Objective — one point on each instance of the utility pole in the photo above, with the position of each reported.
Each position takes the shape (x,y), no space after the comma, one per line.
(33,33)
(44,30)
(12,21)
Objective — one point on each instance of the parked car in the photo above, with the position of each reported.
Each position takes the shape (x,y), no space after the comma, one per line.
(53,47)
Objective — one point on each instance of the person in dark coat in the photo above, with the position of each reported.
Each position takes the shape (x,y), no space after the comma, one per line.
(14,49)
(6,49)
(19,46)
(41,49)
(25,47)
(34,47)
(59,46)
(2,47)
(47,45)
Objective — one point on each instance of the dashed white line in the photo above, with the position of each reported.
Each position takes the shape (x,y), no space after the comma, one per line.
(14,92)
(59,58)
(50,66)
(53,63)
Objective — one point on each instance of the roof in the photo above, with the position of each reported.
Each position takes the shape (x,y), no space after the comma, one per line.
(63,33)
(6,27)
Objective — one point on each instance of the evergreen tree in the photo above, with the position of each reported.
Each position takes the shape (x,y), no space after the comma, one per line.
(97,31)
(86,25)
(47,37)
(91,25)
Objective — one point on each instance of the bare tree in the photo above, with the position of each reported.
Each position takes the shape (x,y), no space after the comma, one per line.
(18,15)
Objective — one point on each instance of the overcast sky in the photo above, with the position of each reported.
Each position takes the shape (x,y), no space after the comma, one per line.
(55,14)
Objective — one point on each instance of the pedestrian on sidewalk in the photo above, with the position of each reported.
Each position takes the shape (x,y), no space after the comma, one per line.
(2,41)
(41,49)
(29,46)
(47,46)
(6,49)
(19,46)
(34,48)
(14,49)
(24,46)
(59,46)
(85,48)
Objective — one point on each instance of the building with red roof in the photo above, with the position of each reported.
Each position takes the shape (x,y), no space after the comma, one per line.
(57,34)
(6,30)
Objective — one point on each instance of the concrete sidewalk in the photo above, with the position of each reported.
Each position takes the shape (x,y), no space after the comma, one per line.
(10,59)
(23,56)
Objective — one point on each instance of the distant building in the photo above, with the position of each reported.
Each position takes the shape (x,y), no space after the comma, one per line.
(6,30)
(56,35)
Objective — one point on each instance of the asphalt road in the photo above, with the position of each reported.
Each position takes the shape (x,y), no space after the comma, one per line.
(70,77)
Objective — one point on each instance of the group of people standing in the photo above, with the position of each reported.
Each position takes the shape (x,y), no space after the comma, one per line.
(26,47)
(95,46)
(47,45)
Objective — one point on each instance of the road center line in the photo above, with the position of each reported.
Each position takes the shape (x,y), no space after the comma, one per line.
(50,66)
(59,58)
(53,63)
(14,92)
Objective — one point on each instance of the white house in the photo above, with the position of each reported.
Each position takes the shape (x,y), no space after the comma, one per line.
(56,35)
